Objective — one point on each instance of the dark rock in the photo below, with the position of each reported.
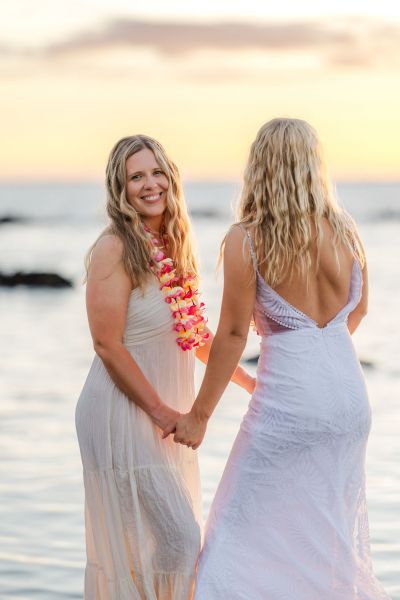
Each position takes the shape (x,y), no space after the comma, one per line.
(252,360)
(367,364)
(10,219)
(52,280)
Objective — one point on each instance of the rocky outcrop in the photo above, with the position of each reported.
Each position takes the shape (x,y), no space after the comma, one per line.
(11,219)
(34,279)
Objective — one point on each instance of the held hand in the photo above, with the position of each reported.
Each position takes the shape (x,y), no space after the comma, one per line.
(165,418)
(190,430)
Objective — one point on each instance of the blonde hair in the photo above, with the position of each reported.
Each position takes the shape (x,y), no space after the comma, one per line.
(126,223)
(285,191)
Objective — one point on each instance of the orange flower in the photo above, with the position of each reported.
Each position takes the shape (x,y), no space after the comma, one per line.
(183,299)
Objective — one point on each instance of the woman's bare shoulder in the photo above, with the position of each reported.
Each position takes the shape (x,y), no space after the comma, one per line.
(235,235)
(108,246)
(237,251)
(107,257)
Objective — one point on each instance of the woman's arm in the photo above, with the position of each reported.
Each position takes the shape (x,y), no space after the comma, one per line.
(356,316)
(240,376)
(229,342)
(107,297)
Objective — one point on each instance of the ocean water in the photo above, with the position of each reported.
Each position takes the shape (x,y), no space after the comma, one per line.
(45,353)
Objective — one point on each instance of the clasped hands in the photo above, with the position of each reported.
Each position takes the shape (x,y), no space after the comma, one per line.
(188,430)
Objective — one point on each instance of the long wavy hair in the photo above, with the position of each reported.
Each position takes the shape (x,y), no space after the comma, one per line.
(127,224)
(286,193)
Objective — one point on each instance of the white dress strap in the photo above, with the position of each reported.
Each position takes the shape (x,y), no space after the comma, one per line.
(251,247)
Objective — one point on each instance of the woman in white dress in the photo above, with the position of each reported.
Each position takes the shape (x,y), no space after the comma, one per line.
(142,493)
(289,520)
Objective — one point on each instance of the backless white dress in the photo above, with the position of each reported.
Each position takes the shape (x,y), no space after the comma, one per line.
(289,520)
(142,493)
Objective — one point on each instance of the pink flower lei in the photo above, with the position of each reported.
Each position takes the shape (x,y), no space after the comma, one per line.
(183,299)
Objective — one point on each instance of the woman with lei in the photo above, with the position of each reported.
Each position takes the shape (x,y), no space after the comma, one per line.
(142,492)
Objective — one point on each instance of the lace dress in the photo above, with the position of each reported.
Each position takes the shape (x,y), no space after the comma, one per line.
(142,493)
(289,520)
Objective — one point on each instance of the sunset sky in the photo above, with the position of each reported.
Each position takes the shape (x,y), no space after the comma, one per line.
(199,76)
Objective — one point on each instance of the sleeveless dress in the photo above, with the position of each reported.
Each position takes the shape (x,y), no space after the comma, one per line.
(289,519)
(142,493)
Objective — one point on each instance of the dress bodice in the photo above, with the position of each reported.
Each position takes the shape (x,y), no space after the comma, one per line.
(149,316)
(273,314)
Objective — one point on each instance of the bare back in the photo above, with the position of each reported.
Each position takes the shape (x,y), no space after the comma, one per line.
(327,289)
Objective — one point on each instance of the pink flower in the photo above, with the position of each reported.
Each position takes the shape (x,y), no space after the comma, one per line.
(182,296)
(159,256)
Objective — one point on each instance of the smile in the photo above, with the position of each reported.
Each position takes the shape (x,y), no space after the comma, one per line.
(152,197)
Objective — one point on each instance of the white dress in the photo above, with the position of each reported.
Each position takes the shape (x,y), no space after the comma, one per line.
(142,493)
(289,520)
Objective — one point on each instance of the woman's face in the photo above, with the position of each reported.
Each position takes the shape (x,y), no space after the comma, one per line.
(146,187)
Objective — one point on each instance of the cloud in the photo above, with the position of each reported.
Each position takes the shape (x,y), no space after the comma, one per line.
(347,38)
(337,42)
(181,38)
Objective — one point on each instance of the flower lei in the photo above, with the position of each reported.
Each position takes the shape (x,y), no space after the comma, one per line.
(183,299)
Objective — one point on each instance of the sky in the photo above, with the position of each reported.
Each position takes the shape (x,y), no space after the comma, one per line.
(200,77)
